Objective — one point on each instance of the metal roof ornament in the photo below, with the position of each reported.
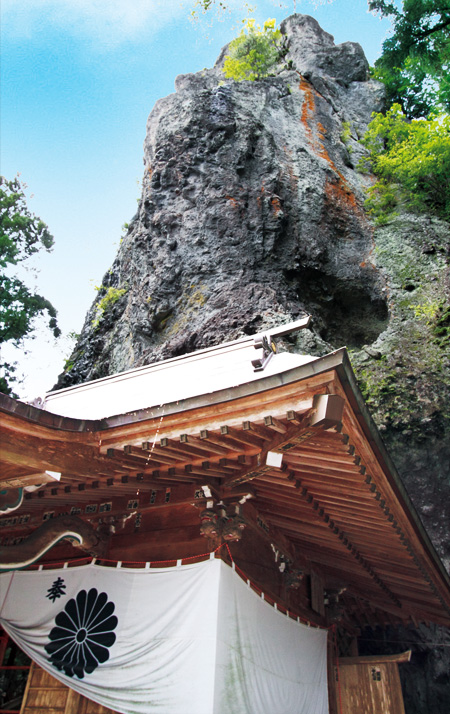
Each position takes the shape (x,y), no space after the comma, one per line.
(265,345)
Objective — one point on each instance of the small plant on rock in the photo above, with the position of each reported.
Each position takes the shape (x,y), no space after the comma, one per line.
(111,296)
(255,53)
(346,135)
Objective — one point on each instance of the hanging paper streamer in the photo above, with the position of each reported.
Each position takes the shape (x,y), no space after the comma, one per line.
(193,639)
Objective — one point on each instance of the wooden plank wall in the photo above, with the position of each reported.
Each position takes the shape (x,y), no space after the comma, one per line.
(46,695)
(365,689)
(371,689)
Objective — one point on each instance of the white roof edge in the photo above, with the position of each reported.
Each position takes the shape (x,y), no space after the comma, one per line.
(277,330)
(153,365)
(202,372)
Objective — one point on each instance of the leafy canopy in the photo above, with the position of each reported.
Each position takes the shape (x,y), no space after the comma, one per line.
(411,160)
(254,53)
(415,62)
(22,235)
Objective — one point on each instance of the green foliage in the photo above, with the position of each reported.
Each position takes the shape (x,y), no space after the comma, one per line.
(426,311)
(415,63)
(110,297)
(382,201)
(255,53)
(346,135)
(412,162)
(69,364)
(22,235)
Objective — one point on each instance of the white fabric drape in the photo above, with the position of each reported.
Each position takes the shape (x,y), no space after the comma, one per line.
(193,639)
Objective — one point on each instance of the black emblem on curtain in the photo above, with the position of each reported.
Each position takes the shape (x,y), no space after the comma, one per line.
(83,634)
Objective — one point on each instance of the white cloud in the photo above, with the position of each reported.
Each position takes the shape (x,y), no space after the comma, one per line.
(107,22)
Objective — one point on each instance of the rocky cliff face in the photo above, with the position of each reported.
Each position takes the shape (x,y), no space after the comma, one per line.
(251,215)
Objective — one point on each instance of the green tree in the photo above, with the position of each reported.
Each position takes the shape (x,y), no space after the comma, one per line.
(255,53)
(415,62)
(411,160)
(22,235)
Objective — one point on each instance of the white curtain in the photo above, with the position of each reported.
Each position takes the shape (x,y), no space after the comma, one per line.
(192,639)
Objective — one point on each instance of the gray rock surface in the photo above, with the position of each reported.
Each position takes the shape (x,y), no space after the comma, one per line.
(315,55)
(252,215)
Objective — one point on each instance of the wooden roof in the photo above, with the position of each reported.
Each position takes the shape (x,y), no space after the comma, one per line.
(334,504)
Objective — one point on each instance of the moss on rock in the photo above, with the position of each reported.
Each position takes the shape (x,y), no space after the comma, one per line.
(407,384)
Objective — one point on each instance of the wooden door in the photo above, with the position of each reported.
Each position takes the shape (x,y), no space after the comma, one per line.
(371,685)
(46,695)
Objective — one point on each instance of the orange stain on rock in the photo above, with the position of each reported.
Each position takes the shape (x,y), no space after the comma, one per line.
(232,200)
(339,191)
(308,108)
(276,205)
(322,150)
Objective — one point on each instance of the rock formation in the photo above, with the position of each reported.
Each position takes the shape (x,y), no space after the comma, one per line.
(252,215)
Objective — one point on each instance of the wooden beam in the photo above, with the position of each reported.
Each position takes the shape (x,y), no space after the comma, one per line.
(283,442)
(377,659)
(37,454)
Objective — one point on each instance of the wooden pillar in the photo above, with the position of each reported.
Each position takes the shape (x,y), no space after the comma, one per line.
(332,674)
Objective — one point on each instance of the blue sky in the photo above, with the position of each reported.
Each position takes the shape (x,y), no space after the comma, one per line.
(79,78)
